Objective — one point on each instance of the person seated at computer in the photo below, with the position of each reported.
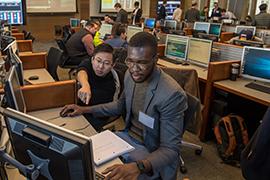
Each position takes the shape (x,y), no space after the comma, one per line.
(263,18)
(99,81)
(97,40)
(119,36)
(122,15)
(80,45)
(216,12)
(245,35)
(192,14)
(136,14)
(153,104)
(248,20)
(108,19)
(227,15)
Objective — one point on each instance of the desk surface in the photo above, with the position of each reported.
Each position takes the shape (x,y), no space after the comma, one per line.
(77,124)
(238,88)
(202,72)
(43,74)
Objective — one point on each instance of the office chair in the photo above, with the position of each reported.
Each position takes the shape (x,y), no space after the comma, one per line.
(188,80)
(53,60)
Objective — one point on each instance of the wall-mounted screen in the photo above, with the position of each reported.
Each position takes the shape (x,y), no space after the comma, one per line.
(108,5)
(13,11)
(51,6)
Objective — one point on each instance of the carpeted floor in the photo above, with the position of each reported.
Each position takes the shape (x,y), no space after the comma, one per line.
(208,166)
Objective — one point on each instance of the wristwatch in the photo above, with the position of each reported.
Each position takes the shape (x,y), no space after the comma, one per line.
(140,166)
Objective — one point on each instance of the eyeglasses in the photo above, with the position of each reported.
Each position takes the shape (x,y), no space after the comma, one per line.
(100,62)
(141,64)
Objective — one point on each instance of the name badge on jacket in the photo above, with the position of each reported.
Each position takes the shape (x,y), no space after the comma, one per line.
(146,120)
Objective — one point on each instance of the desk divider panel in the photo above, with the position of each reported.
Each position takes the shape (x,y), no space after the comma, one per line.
(225,52)
(216,71)
(18,36)
(25,45)
(34,60)
(226,36)
(50,95)
(161,50)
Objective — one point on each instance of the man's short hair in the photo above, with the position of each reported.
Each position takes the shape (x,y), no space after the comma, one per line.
(194,4)
(178,6)
(164,1)
(118,29)
(223,10)
(117,5)
(216,3)
(104,48)
(136,3)
(144,39)
(263,7)
(91,22)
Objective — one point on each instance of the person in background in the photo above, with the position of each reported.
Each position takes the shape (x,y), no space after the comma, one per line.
(153,104)
(245,34)
(122,15)
(177,13)
(136,14)
(162,12)
(192,14)
(119,36)
(97,41)
(99,81)
(108,19)
(216,11)
(204,13)
(227,14)
(263,18)
(80,45)
(248,20)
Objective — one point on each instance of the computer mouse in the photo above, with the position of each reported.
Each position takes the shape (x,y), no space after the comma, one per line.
(33,78)
(66,113)
(185,64)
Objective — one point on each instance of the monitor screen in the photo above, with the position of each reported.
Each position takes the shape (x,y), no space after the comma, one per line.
(51,6)
(13,92)
(74,22)
(256,63)
(131,30)
(199,51)
(150,23)
(176,47)
(215,29)
(58,152)
(202,26)
(171,24)
(13,11)
(238,29)
(105,29)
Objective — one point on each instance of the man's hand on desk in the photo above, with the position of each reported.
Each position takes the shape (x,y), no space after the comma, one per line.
(84,94)
(71,110)
(122,171)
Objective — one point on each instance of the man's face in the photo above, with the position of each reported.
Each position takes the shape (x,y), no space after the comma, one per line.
(117,9)
(94,29)
(216,5)
(223,13)
(140,62)
(102,63)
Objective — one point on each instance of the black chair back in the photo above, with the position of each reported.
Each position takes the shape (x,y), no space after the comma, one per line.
(53,60)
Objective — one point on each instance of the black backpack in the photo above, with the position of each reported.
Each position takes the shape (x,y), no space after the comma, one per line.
(232,137)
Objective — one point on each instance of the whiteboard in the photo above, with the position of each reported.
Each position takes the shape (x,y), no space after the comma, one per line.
(51,6)
(108,5)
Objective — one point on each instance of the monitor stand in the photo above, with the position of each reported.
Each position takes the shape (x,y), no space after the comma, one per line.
(259,87)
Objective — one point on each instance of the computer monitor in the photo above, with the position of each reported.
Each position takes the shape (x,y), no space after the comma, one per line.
(176,47)
(105,29)
(132,30)
(74,22)
(170,24)
(13,93)
(238,29)
(255,64)
(215,29)
(149,23)
(202,26)
(58,152)
(199,51)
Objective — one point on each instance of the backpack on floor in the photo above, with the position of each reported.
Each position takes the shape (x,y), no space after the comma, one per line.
(232,137)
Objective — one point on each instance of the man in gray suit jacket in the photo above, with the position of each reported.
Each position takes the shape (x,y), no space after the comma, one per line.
(154,106)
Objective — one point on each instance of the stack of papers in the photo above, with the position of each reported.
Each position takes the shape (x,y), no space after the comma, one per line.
(107,146)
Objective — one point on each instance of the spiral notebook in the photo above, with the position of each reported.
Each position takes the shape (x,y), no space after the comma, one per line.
(107,146)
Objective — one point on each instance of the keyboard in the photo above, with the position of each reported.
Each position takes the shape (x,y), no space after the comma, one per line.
(258,87)
(171,60)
